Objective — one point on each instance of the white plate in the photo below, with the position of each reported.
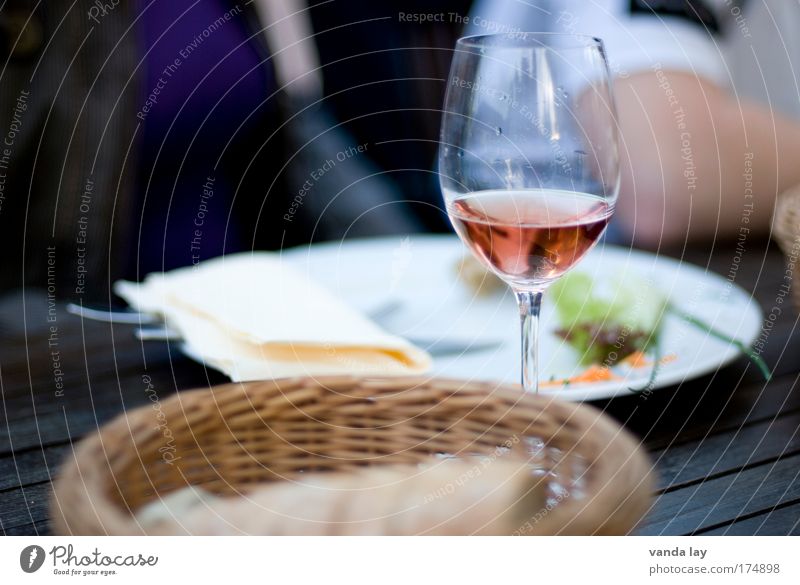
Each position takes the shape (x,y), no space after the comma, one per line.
(420,273)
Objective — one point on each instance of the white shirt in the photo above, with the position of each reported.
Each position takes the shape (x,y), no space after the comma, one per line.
(755,51)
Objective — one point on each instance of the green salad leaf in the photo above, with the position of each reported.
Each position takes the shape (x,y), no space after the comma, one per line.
(606,321)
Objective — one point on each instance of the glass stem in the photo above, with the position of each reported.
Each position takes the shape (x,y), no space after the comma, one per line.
(529,304)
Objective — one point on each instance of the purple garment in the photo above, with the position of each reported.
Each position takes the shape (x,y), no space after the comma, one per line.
(197,51)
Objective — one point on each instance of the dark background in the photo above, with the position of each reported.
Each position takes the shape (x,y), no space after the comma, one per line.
(385,80)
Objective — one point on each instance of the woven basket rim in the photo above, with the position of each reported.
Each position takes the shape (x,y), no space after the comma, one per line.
(80,496)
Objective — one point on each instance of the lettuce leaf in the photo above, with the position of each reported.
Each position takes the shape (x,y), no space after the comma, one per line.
(609,319)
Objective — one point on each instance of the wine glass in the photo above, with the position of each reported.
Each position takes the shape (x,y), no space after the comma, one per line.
(528,160)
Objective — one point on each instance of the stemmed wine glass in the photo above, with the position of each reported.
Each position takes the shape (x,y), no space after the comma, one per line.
(528,160)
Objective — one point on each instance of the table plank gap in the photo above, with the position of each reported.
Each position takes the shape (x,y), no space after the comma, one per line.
(766,523)
(719,500)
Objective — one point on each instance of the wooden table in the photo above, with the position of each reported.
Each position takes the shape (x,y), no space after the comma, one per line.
(726,446)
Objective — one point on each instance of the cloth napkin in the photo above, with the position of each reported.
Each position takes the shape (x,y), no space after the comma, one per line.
(253,317)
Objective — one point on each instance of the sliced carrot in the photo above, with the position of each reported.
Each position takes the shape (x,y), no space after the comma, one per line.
(594,373)
(637,359)
(598,373)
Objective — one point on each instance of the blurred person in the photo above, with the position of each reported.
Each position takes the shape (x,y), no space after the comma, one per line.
(384,66)
(707,99)
(150,134)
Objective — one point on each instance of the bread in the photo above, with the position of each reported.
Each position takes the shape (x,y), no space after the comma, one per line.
(485,496)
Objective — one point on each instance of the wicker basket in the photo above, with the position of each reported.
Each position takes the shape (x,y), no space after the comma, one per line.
(234,437)
(786,230)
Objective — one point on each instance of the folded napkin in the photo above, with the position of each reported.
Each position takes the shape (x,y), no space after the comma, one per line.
(253,317)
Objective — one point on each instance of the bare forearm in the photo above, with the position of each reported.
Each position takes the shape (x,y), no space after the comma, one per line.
(697,164)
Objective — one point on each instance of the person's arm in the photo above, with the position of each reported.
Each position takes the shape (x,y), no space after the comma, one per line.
(696,162)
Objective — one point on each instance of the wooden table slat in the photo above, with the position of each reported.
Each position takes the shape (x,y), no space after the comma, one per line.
(784,521)
(22,506)
(753,490)
(34,466)
(728,452)
(85,413)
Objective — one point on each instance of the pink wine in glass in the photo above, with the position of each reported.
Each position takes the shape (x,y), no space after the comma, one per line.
(529,237)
